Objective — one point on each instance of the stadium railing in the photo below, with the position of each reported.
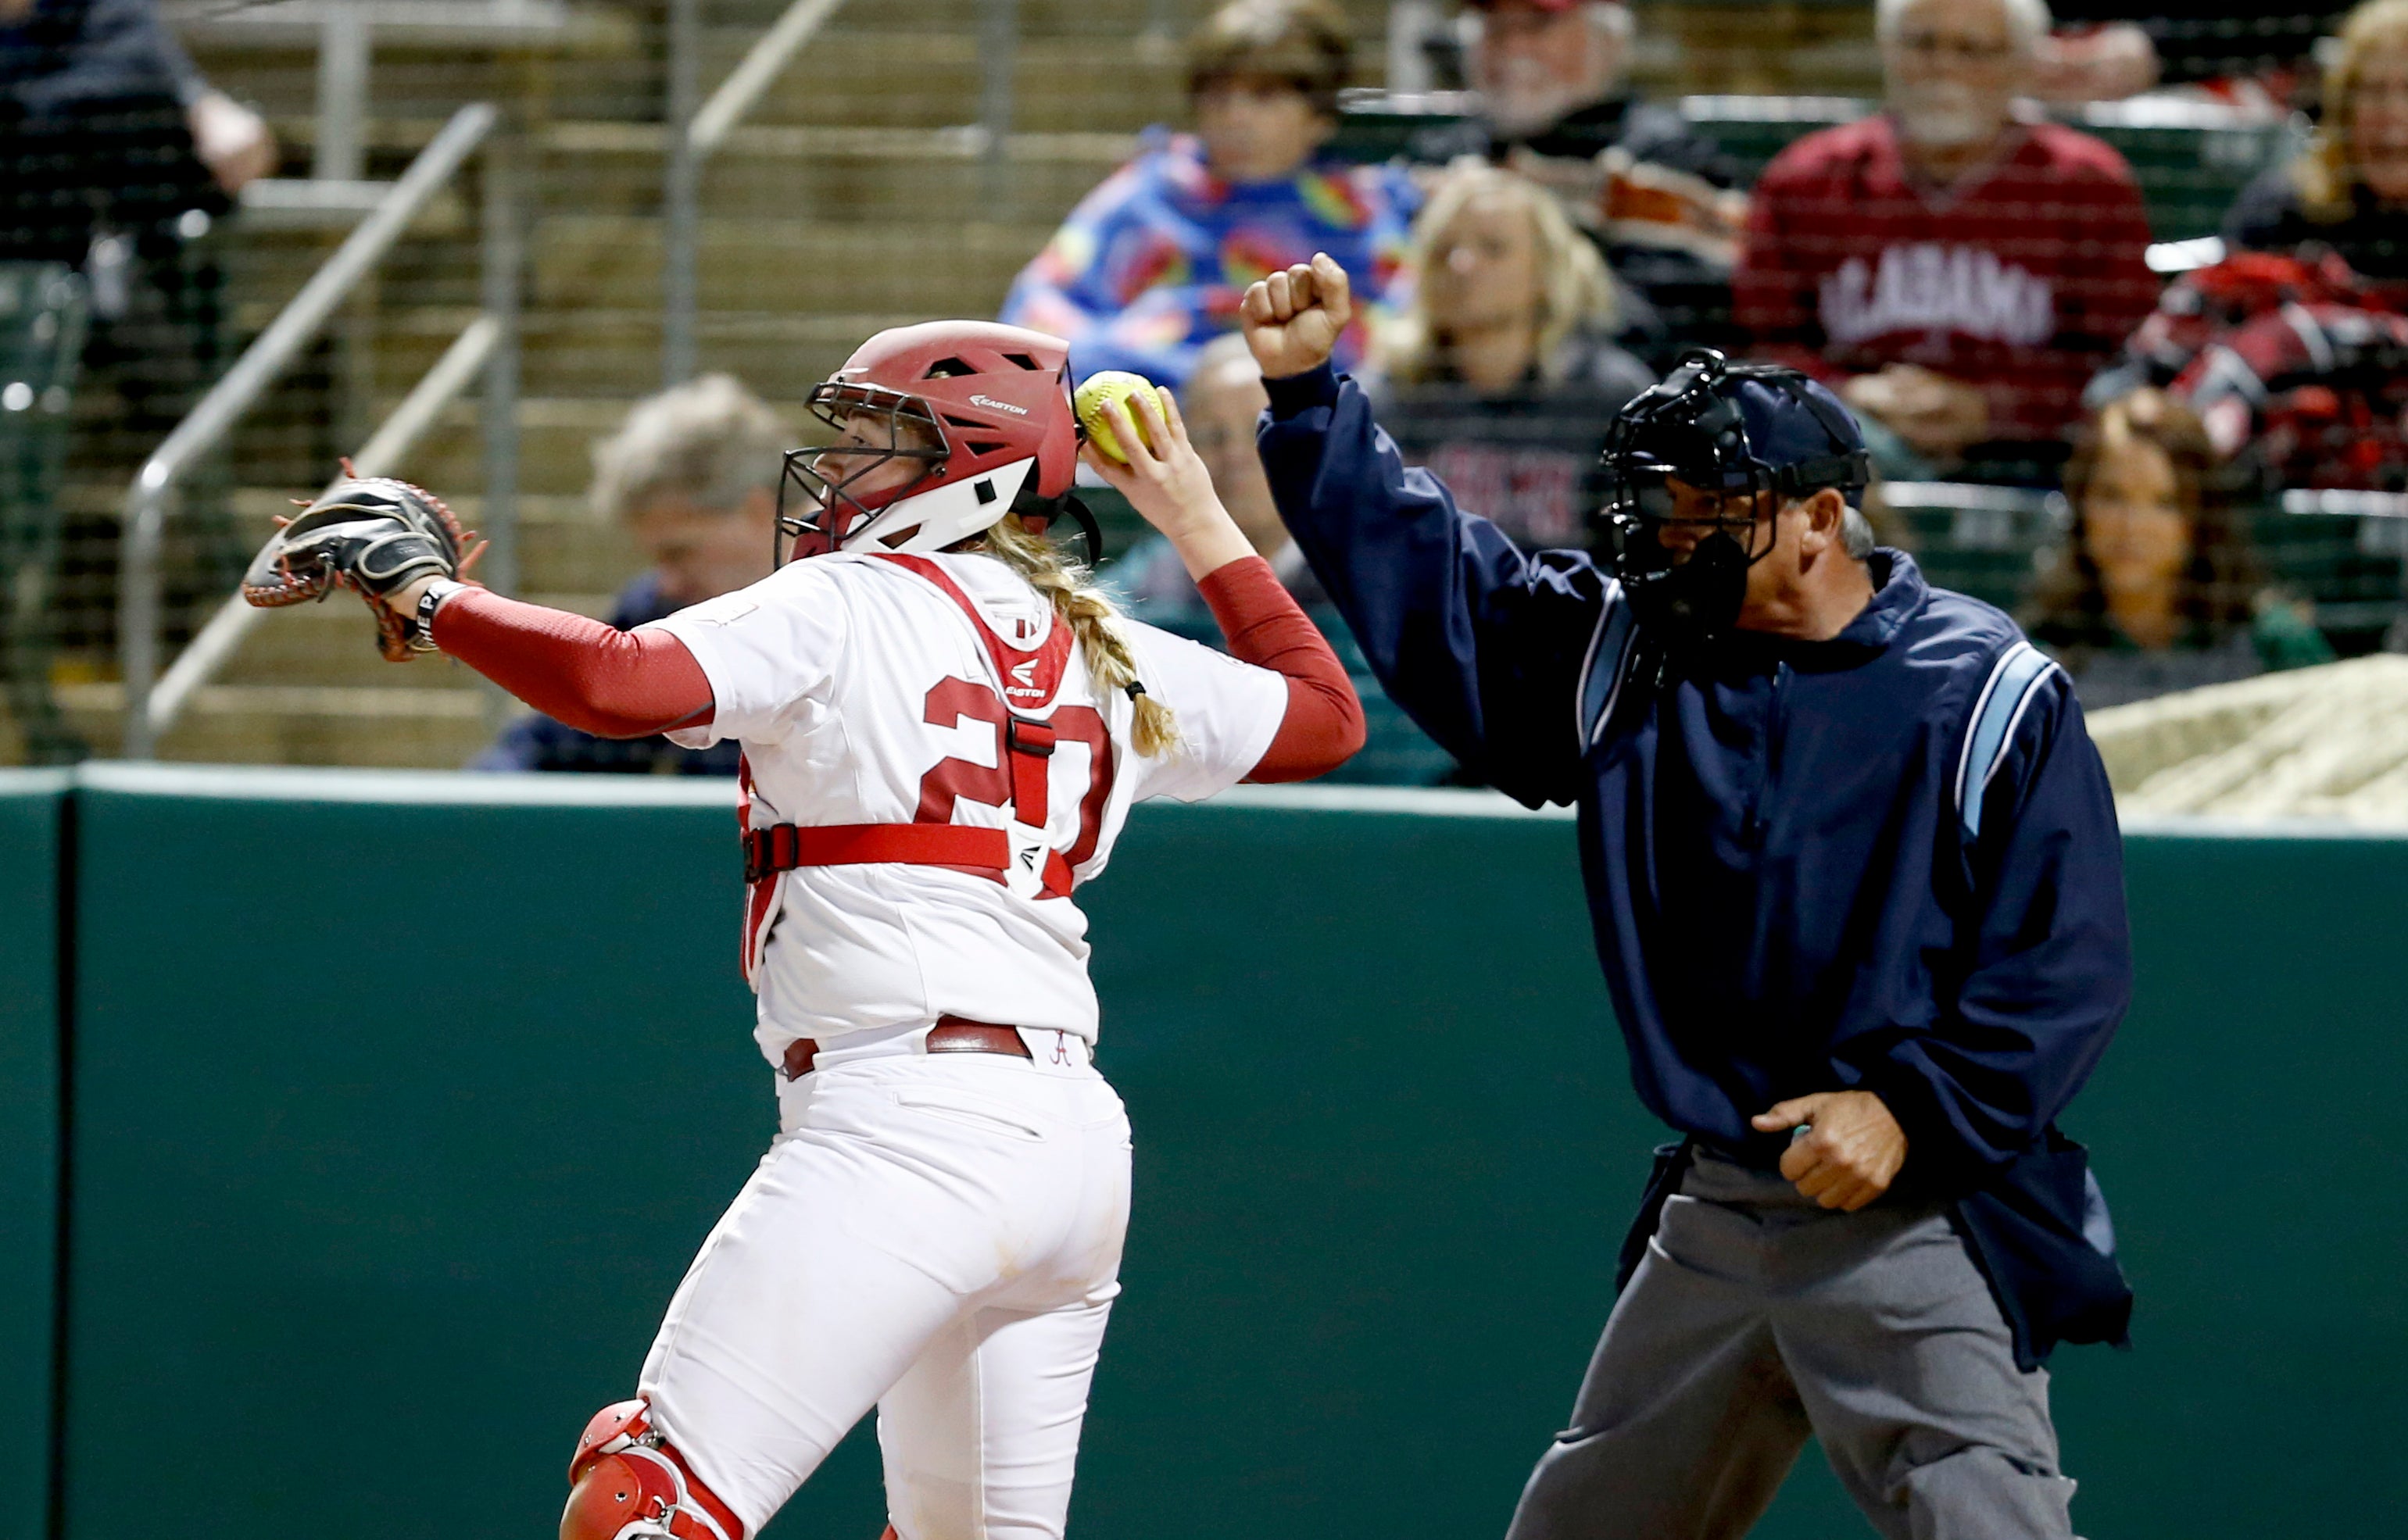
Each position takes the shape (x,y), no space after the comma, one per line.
(488,345)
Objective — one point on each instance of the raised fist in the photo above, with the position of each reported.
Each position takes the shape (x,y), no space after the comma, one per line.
(1292,317)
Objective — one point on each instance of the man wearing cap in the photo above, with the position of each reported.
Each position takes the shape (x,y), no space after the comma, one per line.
(1854,878)
(1658,197)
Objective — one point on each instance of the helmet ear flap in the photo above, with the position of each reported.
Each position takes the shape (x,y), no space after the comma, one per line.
(1037,513)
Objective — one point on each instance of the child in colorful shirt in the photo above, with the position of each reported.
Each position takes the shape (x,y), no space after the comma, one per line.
(1151,264)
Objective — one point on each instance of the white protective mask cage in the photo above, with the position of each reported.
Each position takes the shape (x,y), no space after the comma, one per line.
(945,515)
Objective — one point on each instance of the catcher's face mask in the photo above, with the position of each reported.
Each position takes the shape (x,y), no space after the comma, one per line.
(1690,506)
(884,443)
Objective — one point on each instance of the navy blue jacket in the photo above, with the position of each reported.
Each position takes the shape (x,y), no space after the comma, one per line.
(536,742)
(1787,895)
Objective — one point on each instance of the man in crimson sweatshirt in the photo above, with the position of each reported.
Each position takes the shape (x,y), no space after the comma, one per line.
(1957,274)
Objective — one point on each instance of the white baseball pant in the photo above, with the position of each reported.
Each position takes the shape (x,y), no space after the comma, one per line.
(937,1236)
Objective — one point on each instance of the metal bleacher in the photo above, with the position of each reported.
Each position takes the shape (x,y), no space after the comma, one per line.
(865,189)
(855,194)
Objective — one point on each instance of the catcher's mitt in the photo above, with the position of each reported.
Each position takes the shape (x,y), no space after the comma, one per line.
(371,535)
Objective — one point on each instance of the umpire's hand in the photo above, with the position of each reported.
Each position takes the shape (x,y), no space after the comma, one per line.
(1293,317)
(1850,1151)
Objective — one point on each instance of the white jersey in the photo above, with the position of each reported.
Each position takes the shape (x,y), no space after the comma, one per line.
(865,692)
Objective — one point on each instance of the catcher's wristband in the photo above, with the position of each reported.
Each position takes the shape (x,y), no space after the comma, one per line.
(421,631)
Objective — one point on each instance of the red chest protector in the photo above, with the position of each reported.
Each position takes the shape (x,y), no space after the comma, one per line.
(1027,678)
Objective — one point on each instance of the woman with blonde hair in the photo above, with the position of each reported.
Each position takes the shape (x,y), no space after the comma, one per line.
(1499,372)
(2348,190)
(1501,287)
(944,729)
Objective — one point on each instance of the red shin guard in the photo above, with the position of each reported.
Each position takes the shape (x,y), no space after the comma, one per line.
(626,1483)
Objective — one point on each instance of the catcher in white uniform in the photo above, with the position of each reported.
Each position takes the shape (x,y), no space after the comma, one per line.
(944,729)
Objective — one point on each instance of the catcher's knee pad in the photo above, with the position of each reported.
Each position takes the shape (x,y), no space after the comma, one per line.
(626,1483)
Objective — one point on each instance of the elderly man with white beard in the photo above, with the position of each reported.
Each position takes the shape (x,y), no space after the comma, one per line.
(1956,271)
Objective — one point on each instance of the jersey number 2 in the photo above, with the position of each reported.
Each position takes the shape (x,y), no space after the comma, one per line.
(954,702)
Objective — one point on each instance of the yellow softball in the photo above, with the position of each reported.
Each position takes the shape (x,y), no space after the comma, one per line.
(1112,385)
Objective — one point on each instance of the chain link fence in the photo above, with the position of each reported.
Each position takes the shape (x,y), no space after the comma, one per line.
(750,188)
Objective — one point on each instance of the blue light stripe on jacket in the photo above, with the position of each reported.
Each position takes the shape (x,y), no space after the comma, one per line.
(1783,896)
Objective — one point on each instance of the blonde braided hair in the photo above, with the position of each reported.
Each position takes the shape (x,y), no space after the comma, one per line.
(1091,620)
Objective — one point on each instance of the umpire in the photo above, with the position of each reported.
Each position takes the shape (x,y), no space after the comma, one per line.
(1854,872)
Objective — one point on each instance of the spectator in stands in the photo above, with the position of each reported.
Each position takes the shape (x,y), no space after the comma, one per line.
(1223,398)
(693,476)
(1500,374)
(2157,588)
(2102,55)
(2296,364)
(2240,51)
(2314,394)
(1956,273)
(1151,264)
(109,141)
(104,88)
(2349,191)
(1656,196)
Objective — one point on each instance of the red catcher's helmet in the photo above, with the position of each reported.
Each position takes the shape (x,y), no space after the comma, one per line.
(984,409)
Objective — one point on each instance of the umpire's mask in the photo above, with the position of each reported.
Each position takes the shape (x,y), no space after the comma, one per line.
(1695,471)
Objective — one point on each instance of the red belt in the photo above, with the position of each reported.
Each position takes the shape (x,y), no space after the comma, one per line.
(784,847)
(951,1034)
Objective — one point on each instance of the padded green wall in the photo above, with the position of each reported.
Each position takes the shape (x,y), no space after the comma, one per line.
(435,1194)
(30,803)
(2247,1133)
(395,1123)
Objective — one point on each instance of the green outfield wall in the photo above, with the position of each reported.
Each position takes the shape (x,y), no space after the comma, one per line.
(32,805)
(399,1102)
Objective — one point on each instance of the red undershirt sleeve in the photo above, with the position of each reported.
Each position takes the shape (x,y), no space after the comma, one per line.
(596,679)
(1323,724)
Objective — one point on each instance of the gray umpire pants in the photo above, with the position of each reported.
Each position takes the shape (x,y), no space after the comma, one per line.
(1757,1319)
